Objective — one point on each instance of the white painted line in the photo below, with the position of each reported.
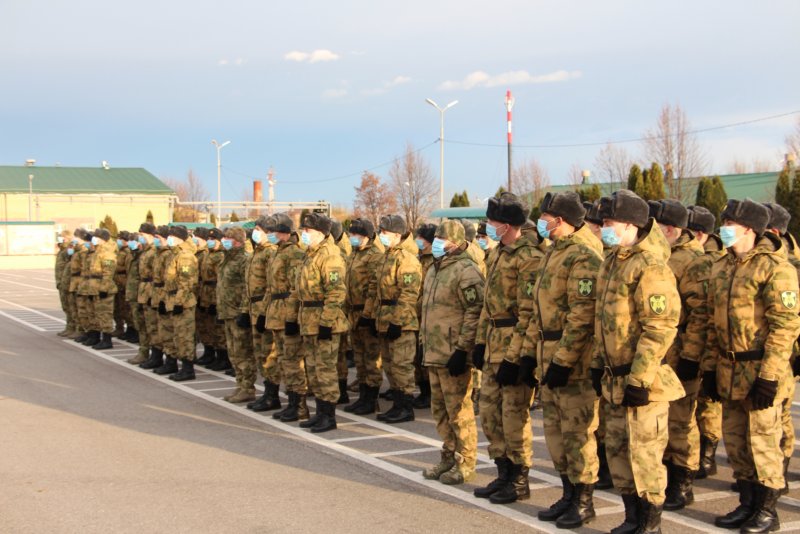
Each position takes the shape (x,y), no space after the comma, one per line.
(204,382)
(213,389)
(20,321)
(364,438)
(406,451)
(28,285)
(37,312)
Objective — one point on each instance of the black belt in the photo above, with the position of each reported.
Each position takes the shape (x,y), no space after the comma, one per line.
(504,323)
(280,296)
(313,303)
(550,335)
(148,280)
(172,292)
(357,307)
(624,370)
(257,298)
(75,274)
(95,276)
(122,272)
(388,302)
(746,356)
(210,282)
(158,284)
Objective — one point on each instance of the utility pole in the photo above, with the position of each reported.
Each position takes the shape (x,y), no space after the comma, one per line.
(509,106)
(219,176)
(441,145)
(271,189)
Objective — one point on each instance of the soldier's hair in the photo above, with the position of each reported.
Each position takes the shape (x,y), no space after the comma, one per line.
(317,221)
(428,231)
(669,212)
(566,205)
(362,226)
(778,217)
(201,232)
(507,208)
(747,213)
(179,231)
(103,234)
(701,220)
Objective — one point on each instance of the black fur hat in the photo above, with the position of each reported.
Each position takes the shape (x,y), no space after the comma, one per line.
(215,233)
(281,223)
(393,223)
(669,212)
(317,221)
(336,229)
(147,228)
(426,232)
(201,232)
(124,235)
(625,206)
(362,226)
(701,220)
(778,217)
(102,233)
(566,205)
(162,230)
(179,231)
(82,234)
(592,212)
(507,209)
(482,228)
(747,213)
(264,222)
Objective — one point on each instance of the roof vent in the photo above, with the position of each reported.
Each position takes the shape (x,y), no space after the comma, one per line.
(105,165)
(30,162)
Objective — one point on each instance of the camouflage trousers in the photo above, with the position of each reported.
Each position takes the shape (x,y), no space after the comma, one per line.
(600,434)
(84,312)
(166,333)
(398,361)
(506,418)
(709,418)
(122,313)
(102,310)
(451,408)
(151,321)
(290,359)
(184,341)
(752,443)
(683,445)
(320,357)
(367,354)
(137,316)
(570,420)
(207,328)
(72,312)
(63,296)
(240,353)
(341,361)
(266,355)
(635,443)
(787,440)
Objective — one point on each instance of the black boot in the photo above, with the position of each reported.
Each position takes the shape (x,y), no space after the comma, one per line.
(604,474)
(259,399)
(312,421)
(741,513)
(133,336)
(104,343)
(81,338)
(679,487)
(631,522)
(581,509)
(708,458)
(517,487)
(156,359)
(344,398)
(362,396)
(650,518)
(388,394)
(92,339)
(350,357)
(291,405)
(269,401)
(207,357)
(170,366)
(396,405)
(785,489)
(370,404)
(186,372)
(327,420)
(406,411)
(423,400)
(765,518)
(230,371)
(127,333)
(558,508)
(503,469)
(296,411)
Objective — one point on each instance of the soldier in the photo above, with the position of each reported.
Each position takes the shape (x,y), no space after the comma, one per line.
(148,336)
(84,304)
(158,300)
(63,256)
(75,280)
(424,240)
(101,287)
(210,277)
(204,323)
(475,252)
(345,359)
(558,344)
(753,294)
(316,311)
(132,282)
(368,254)
(637,314)
(122,317)
(180,285)
(486,245)
(393,304)
(508,302)
(451,305)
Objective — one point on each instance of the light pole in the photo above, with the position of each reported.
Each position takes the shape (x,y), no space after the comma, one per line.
(441,145)
(509,106)
(219,176)
(30,197)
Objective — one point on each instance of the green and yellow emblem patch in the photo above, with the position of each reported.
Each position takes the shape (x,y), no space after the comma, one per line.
(333,277)
(408,279)
(789,299)
(470,295)
(185,269)
(585,287)
(529,288)
(658,303)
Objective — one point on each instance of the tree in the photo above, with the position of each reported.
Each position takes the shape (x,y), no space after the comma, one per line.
(190,190)
(613,164)
(653,179)
(234,217)
(531,181)
(373,198)
(711,195)
(636,180)
(149,217)
(214,219)
(109,224)
(589,192)
(460,200)
(783,188)
(500,191)
(793,139)
(794,203)
(414,185)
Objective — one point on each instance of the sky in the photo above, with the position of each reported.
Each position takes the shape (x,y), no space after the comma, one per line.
(322,91)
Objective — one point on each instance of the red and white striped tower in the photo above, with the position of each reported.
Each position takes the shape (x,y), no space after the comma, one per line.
(509,106)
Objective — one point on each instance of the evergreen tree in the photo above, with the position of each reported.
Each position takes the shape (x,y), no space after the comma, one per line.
(783,188)
(711,195)
(589,193)
(214,219)
(653,179)
(149,217)
(794,204)
(500,191)
(109,224)
(459,200)
(234,217)
(636,180)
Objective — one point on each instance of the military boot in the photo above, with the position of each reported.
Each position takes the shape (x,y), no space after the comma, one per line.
(580,510)
(396,406)
(291,405)
(741,513)
(558,508)
(93,338)
(423,400)
(242,395)
(65,333)
(388,394)
(186,372)
(362,393)
(708,458)
(446,462)
(141,357)
(650,518)
(80,337)
(119,331)
(785,489)
(327,420)
(765,516)
(679,487)
(170,366)
(458,474)
(297,410)
(155,361)
(133,336)
(222,362)
(631,522)
(604,474)
(207,357)
(517,487)
(104,343)
(406,411)
(370,404)
(270,400)
(251,404)
(503,470)
(344,398)
(312,421)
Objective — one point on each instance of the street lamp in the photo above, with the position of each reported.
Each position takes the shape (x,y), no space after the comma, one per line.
(219,176)
(441,145)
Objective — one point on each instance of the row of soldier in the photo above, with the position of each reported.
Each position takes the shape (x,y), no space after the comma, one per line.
(616,308)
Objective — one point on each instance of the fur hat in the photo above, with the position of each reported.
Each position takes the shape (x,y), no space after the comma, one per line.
(507,209)
(625,206)
(264,222)
(566,205)
(179,231)
(393,223)
(747,213)
(237,233)
(201,232)
(102,233)
(778,217)
(451,230)
(82,234)
(317,221)
(162,230)
(215,233)
(124,235)
(363,227)
(481,229)
(147,228)
(592,212)
(427,232)
(701,220)
(336,229)
(282,223)
(669,212)
(469,230)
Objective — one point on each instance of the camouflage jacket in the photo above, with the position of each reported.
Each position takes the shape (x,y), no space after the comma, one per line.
(231,282)
(452,299)
(256,294)
(562,329)
(121,274)
(86,261)
(162,259)
(202,255)
(75,266)
(180,276)
(754,303)
(425,262)
(345,247)
(713,246)
(209,272)
(638,308)
(146,266)
(62,259)
(132,280)
(319,293)
(361,275)
(283,269)
(393,297)
(478,256)
(102,267)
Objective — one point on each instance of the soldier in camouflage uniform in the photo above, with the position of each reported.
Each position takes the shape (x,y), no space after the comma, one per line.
(166,331)
(101,287)
(215,336)
(692,269)
(204,323)
(473,249)
(452,299)
(132,284)
(76,264)
(753,293)
(122,316)
(424,237)
(85,317)
(508,304)
(368,254)
(147,262)
(558,348)
(63,257)
(638,308)
(316,312)
(341,240)
(486,245)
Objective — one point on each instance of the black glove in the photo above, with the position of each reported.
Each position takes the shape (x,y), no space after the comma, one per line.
(325,333)
(291,328)
(177,309)
(364,322)
(419,355)
(796,366)
(527,365)
(212,310)
(261,324)
(162,308)
(243,320)
(507,374)
(478,354)
(635,396)
(687,369)
(103,295)
(394,332)
(710,385)
(457,364)
(763,392)
(202,309)
(556,376)
(597,380)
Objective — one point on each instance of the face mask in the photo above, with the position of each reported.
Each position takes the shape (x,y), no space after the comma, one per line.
(305,238)
(211,243)
(133,245)
(385,240)
(60,240)
(483,244)
(227,244)
(70,252)
(491,231)
(257,235)
(272,238)
(728,236)
(196,241)
(609,236)
(120,244)
(420,243)
(95,241)
(170,241)
(437,248)
(355,241)
(541,227)
(74,242)
(87,244)
(142,240)
(157,242)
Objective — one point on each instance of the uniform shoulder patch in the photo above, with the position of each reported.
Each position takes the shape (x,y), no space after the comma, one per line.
(185,269)
(658,303)
(333,277)
(789,299)
(109,263)
(471,295)
(529,288)
(408,279)
(585,287)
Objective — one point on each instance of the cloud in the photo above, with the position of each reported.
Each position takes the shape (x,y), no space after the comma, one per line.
(517,77)
(334,93)
(394,82)
(225,62)
(316,56)
(222,62)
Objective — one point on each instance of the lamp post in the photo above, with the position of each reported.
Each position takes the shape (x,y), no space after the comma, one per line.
(509,101)
(441,145)
(30,197)
(219,146)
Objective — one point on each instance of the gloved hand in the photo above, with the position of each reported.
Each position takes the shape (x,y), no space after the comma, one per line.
(162,308)
(687,369)
(291,328)
(763,393)
(177,309)
(212,310)
(364,322)
(635,396)
(556,376)
(710,385)
(507,374)
(597,380)
(261,324)
(478,355)
(527,365)
(418,356)
(796,366)
(325,333)
(394,332)
(103,295)
(243,320)
(457,364)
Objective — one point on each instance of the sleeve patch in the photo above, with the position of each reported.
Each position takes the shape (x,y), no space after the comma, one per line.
(658,303)
(471,295)
(333,277)
(789,299)
(585,287)
(408,279)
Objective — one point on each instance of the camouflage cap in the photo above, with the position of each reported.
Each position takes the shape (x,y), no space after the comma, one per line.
(362,226)
(179,231)
(566,205)
(236,233)
(451,230)
(147,228)
(426,232)
(201,232)
(215,233)
(778,217)
(701,220)
(317,221)
(469,229)
(103,234)
(669,212)
(336,229)
(393,223)
(625,206)
(282,223)
(65,234)
(508,209)
(747,213)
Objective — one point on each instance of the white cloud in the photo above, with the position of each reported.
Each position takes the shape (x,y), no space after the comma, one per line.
(225,62)
(315,56)
(517,77)
(334,93)
(222,62)
(394,82)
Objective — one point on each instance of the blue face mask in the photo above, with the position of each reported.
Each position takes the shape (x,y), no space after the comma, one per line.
(305,238)
(95,241)
(355,241)
(70,252)
(170,241)
(157,242)
(483,244)
(120,243)
(196,241)
(420,243)
(728,236)
(142,240)
(227,244)
(541,227)
(437,248)
(87,244)
(272,238)
(257,235)
(133,245)
(385,240)
(491,231)
(211,243)
(609,236)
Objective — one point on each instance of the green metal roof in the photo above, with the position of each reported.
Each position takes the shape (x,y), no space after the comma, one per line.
(81,180)
(477,212)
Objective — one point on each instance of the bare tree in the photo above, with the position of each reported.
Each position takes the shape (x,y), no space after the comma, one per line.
(190,190)
(531,181)
(373,198)
(575,175)
(793,140)
(672,144)
(414,186)
(613,164)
